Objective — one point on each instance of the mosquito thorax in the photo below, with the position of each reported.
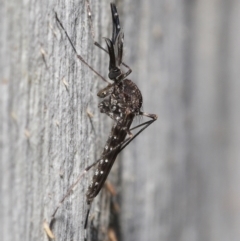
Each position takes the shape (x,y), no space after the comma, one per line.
(122,102)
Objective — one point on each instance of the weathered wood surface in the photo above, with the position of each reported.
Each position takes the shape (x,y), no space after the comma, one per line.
(47,137)
(180,179)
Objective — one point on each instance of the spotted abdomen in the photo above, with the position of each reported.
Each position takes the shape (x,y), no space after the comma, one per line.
(111,150)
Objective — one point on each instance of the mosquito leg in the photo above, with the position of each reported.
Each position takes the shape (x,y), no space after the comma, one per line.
(124,75)
(122,145)
(68,193)
(72,186)
(90,67)
(145,125)
(93,34)
(78,55)
(152,116)
(126,66)
(86,221)
(99,46)
(131,137)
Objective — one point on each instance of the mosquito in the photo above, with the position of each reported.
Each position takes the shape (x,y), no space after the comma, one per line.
(122,102)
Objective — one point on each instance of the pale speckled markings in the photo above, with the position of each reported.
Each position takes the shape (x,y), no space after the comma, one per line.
(131,103)
(122,102)
(108,158)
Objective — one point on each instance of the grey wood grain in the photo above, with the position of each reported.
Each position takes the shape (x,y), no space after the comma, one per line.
(181,177)
(179,180)
(47,137)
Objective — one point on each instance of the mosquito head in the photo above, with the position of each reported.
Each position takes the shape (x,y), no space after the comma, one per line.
(115,46)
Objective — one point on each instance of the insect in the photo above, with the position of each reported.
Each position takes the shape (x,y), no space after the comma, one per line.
(122,102)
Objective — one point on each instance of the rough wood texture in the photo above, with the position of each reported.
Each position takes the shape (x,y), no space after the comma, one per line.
(180,178)
(47,137)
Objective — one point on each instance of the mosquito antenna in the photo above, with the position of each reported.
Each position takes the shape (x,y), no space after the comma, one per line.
(122,102)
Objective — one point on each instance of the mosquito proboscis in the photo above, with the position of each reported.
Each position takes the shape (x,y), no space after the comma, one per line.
(122,102)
